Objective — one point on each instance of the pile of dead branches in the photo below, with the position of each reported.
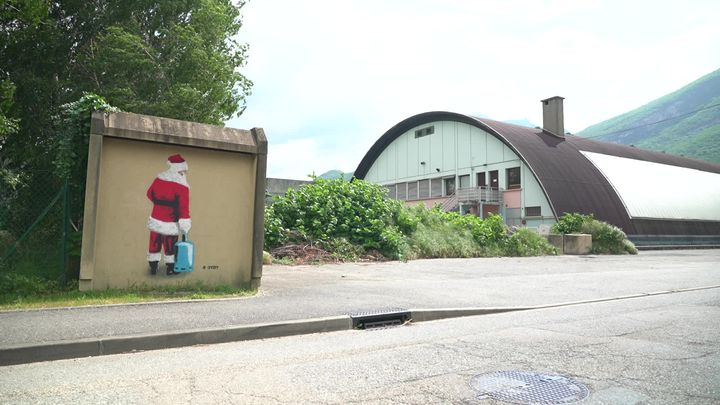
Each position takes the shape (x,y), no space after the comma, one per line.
(307,253)
(303,253)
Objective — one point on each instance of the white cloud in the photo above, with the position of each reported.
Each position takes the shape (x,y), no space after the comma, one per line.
(332,76)
(299,158)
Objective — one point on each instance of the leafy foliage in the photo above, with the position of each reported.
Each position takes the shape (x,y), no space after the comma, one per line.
(606,238)
(72,125)
(435,235)
(172,58)
(347,218)
(8,125)
(570,223)
(489,230)
(524,242)
(358,211)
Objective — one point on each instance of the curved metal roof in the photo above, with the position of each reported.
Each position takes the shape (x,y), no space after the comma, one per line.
(569,180)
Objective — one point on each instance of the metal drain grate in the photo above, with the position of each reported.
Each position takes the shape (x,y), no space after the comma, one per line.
(381,318)
(527,387)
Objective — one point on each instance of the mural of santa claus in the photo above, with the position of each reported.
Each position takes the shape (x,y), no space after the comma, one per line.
(170,216)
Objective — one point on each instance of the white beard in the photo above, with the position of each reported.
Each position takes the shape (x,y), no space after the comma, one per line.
(175,177)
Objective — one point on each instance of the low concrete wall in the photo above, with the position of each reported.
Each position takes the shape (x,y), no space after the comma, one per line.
(577,244)
(278,187)
(557,241)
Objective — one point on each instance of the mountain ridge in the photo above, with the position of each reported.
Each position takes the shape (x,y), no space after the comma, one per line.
(685,122)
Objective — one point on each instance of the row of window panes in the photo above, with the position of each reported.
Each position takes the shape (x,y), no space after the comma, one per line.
(426,188)
(419,189)
(512,178)
(425,131)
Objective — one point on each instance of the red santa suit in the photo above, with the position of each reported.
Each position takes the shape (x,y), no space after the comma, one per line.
(170,196)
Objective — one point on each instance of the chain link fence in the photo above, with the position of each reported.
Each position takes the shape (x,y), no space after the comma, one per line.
(39,244)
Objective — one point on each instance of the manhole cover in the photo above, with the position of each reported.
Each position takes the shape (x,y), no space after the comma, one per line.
(527,387)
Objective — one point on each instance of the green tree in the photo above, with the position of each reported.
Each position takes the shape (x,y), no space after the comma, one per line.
(173,58)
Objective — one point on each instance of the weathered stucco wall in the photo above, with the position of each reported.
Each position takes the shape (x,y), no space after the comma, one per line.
(225,211)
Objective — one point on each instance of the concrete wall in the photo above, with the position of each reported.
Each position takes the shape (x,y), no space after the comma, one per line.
(276,187)
(224,207)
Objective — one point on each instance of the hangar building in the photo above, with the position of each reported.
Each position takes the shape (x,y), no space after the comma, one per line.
(531,176)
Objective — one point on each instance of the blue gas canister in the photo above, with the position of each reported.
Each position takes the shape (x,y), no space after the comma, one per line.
(184,255)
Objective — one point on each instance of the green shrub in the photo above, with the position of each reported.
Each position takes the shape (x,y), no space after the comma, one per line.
(275,234)
(570,223)
(629,247)
(488,231)
(357,211)
(441,239)
(347,219)
(449,234)
(606,238)
(27,284)
(525,242)
(342,250)
(267,258)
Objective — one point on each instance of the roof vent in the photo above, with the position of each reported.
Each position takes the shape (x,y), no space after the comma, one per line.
(553,121)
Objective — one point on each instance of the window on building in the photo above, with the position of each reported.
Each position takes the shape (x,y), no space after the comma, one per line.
(450,186)
(513,178)
(532,212)
(481,182)
(464,181)
(402,191)
(436,187)
(494,180)
(391,190)
(424,188)
(419,133)
(412,192)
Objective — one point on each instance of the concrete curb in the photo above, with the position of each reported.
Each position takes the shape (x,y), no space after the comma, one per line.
(423,315)
(124,344)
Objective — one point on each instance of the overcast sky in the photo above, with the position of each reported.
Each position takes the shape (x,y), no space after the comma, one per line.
(331,76)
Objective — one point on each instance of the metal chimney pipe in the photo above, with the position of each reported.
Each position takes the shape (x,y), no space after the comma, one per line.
(553,120)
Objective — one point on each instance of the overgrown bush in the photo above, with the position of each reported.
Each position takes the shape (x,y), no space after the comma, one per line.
(325,210)
(349,219)
(436,236)
(448,234)
(484,231)
(27,284)
(570,223)
(525,242)
(606,238)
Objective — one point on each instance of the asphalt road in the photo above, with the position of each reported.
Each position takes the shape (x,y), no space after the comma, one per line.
(662,349)
(296,293)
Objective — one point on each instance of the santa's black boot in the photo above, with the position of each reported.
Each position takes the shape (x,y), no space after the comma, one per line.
(153,268)
(171,269)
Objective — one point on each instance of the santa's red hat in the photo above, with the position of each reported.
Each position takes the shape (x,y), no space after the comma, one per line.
(177,163)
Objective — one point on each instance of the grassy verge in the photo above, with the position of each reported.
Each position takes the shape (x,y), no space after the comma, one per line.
(69,296)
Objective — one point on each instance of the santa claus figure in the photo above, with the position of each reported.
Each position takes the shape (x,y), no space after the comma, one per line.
(170,196)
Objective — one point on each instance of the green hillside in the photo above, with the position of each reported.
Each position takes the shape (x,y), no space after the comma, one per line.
(685,122)
(336,174)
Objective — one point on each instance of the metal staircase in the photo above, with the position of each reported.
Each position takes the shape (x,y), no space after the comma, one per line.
(451,203)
